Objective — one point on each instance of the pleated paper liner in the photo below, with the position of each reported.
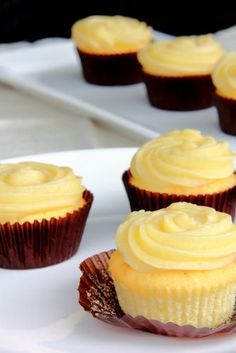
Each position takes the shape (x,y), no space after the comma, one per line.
(184,93)
(226,108)
(97,295)
(141,199)
(110,70)
(44,243)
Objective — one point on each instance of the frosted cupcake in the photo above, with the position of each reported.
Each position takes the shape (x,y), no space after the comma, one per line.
(182,165)
(108,46)
(43,211)
(176,265)
(224,79)
(177,72)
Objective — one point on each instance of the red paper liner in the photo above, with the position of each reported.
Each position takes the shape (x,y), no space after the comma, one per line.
(224,201)
(97,295)
(110,70)
(179,93)
(45,243)
(226,108)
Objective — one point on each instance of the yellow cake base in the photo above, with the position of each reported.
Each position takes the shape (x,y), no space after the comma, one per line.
(198,298)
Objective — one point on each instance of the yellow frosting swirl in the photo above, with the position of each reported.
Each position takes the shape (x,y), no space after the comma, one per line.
(191,55)
(110,34)
(224,75)
(32,191)
(182,236)
(183,161)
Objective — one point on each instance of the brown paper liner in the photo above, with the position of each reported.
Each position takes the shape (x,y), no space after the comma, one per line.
(45,243)
(224,201)
(226,108)
(179,93)
(110,70)
(97,295)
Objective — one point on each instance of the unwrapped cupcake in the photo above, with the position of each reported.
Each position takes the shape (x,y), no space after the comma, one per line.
(182,165)
(224,79)
(177,72)
(108,46)
(43,211)
(174,272)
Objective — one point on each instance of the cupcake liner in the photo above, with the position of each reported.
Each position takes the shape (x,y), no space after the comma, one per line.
(110,70)
(224,201)
(179,93)
(97,295)
(226,108)
(45,243)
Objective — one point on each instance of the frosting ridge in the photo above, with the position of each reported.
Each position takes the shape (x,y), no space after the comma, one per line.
(183,159)
(32,191)
(110,34)
(186,55)
(182,236)
(224,75)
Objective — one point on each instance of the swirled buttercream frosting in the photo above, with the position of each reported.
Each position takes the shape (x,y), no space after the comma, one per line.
(183,162)
(110,34)
(33,191)
(188,56)
(224,75)
(182,236)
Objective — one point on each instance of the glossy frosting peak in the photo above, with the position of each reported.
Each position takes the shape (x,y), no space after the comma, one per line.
(224,75)
(32,191)
(183,160)
(182,236)
(110,34)
(190,55)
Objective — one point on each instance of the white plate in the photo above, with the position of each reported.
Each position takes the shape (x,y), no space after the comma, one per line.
(50,69)
(39,309)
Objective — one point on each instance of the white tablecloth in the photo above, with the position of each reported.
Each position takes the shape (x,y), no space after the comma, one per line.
(31,126)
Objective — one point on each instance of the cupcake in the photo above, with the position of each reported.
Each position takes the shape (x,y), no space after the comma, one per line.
(108,46)
(182,165)
(173,273)
(224,80)
(176,265)
(43,211)
(177,72)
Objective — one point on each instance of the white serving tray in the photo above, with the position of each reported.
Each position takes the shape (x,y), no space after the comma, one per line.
(51,70)
(39,307)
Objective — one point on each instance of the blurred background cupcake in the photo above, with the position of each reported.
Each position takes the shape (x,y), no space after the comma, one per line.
(108,46)
(224,80)
(177,72)
(43,211)
(182,165)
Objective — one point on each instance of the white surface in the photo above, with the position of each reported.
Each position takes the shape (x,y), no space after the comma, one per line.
(51,70)
(29,126)
(39,309)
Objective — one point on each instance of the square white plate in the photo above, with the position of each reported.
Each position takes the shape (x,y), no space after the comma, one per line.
(50,69)
(39,307)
